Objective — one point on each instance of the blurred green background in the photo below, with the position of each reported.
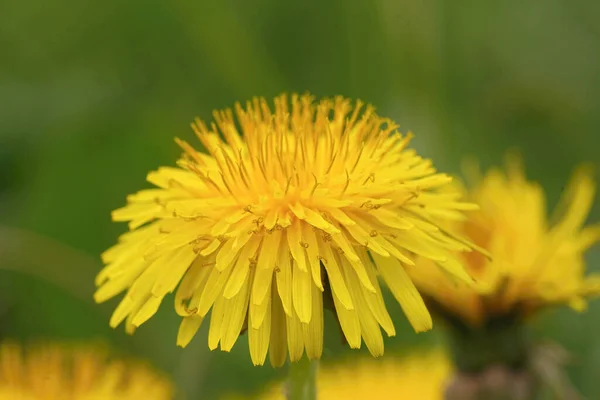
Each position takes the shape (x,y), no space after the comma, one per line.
(93,92)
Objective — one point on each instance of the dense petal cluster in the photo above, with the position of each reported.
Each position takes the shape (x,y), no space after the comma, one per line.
(60,372)
(535,263)
(287,210)
(420,376)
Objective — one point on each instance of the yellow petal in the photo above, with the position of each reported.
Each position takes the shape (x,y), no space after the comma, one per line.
(391,219)
(278,346)
(146,312)
(225,256)
(341,241)
(312,252)
(578,304)
(341,217)
(298,210)
(121,312)
(234,315)
(318,221)
(242,234)
(457,270)
(213,289)
(137,304)
(116,285)
(211,248)
(258,339)
(284,279)
(136,211)
(271,219)
(269,250)
(216,322)
(295,339)
(349,323)
(364,238)
(220,227)
(334,274)
(141,287)
(375,300)
(259,311)
(130,244)
(294,237)
(420,243)
(369,327)
(154,195)
(301,293)
(187,330)
(588,236)
(313,331)
(241,268)
(265,267)
(164,175)
(405,292)
(351,256)
(577,200)
(192,283)
(177,266)
(185,234)
(239,276)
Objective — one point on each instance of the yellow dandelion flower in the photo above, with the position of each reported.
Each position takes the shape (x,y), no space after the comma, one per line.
(535,263)
(61,372)
(418,376)
(285,214)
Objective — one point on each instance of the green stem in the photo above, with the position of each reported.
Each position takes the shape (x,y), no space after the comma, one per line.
(499,342)
(302,380)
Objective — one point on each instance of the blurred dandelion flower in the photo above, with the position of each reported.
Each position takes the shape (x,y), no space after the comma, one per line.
(420,376)
(281,217)
(53,372)
(535,263)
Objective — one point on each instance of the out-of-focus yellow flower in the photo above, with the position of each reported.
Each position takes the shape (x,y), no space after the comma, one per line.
(285,214)
(421,376)
(60,372)
(535,263)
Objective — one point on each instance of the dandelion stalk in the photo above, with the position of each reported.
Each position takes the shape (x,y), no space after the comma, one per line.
(301,383)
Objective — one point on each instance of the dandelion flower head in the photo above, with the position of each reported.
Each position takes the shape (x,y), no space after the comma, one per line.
(288,210)
(536,262)
(60,372)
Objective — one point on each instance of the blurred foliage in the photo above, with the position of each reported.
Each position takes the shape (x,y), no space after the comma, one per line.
(93,92)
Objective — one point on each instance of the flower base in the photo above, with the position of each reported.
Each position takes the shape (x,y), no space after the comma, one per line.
(501,341)
(501,361)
